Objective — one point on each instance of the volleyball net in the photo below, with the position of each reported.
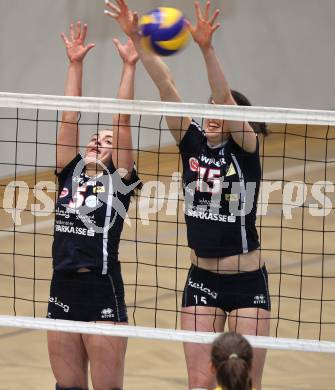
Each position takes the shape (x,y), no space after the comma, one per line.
(295,218)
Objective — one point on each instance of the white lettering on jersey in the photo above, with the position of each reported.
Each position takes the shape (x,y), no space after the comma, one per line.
(207,215)
(62,213)
(74,230)
(210,160)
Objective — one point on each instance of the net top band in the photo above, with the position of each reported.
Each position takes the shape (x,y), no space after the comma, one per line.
(141,107)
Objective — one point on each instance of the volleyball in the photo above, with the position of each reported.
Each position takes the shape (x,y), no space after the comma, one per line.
(164,31)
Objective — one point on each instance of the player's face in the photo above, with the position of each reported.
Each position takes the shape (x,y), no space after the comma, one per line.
(216,130)
(100,147)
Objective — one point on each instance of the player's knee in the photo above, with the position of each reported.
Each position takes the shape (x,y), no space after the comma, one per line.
(68,388)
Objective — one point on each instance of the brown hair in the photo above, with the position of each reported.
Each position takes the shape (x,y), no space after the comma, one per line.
(231,357)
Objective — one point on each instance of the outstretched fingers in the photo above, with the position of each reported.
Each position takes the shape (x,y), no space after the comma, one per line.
(111,14)
(120,8)
(117,43)
(72,32)
(135,18)
(83,33)
(207,8)
(88,47)
(113,7)
(215,27)
(122,4)
(198,10)
(115,10)
(78,30)
(214,16)
(189,26)
(65,39)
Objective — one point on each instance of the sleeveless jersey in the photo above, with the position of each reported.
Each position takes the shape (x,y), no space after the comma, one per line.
(221,188)
(89,217)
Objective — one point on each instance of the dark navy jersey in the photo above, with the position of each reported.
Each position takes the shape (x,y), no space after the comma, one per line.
(89,217)
(221,188)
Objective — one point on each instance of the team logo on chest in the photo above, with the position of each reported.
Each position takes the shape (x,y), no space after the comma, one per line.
(64,193)
(99,189)
(231,170)
(194,164)
(91,201)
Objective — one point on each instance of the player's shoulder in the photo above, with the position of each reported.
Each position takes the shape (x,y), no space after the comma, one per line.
(193,138)
(196,126)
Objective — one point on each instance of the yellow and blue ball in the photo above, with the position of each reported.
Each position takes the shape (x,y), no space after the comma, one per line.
(164,31)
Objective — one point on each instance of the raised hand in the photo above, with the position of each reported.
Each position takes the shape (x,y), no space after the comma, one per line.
(127,52)
(203,31)
(75,45)
(127,19)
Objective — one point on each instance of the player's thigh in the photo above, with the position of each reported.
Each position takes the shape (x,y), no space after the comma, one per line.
(203,319)
(107,356)
(255,322)
(68,359)
(249,312)
(251,321)
(201,312)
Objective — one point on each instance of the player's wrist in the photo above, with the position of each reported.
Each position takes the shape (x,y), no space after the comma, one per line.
(76,63)
(129,64)
(207,48)
(135,36)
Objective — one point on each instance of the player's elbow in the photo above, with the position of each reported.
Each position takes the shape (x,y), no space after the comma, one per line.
(221,97)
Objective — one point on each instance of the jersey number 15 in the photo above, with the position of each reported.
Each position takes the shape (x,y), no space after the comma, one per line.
(209,180)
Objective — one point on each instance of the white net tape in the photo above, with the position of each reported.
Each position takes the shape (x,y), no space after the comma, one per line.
(161,334)
(102,105)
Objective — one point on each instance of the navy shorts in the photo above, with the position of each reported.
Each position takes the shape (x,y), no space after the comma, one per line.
(88,296)
(227,291)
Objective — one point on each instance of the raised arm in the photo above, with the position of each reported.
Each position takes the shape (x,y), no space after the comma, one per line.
(68,135)
(123,157)
(154,65)
(202,34)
